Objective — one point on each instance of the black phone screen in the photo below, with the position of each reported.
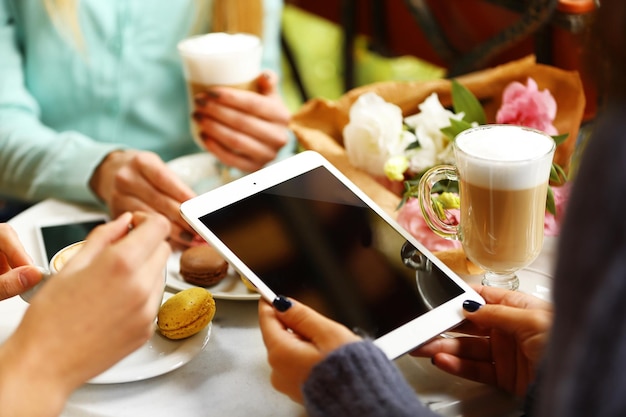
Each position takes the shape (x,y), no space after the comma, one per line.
(57,237)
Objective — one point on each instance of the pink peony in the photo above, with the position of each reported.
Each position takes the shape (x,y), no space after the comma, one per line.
(525,105)
(552,224)
(410,217)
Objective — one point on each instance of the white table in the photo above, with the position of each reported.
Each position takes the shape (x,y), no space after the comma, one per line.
(230,377)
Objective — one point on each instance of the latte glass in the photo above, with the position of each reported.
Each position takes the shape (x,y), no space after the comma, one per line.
(219,59)
(503,173)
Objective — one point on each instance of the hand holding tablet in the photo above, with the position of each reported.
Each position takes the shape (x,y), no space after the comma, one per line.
(300,228)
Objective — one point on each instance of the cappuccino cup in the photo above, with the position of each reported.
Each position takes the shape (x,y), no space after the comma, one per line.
(219,59)
(503,173)
(56,264)
(60,258)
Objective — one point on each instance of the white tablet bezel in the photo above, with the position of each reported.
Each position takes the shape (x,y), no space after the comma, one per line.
(394,343)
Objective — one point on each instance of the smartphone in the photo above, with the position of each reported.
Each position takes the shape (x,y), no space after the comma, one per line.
(55,235)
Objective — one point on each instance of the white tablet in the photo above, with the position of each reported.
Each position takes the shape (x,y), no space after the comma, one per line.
(300,228)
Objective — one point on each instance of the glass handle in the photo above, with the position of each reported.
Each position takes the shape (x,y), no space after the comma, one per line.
(428,180)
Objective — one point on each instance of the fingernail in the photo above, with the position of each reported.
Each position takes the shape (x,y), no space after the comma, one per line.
(432,360)
(204,136)
(471,305)
(200,99)
(186,236)
(265,75)
(197,116)
(281,303)
(213,94)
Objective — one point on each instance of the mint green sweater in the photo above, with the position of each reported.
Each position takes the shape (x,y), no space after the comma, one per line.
(63,110)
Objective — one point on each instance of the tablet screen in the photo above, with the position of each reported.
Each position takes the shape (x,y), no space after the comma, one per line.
(311,238)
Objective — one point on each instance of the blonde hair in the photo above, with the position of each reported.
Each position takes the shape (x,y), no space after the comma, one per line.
(226,16)
(64,15)
(238,16)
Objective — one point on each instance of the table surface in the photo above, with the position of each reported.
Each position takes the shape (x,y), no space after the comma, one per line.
(231,376)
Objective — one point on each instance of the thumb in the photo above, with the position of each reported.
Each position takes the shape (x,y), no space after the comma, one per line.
(18,280)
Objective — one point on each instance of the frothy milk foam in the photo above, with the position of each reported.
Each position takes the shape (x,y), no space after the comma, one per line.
(221,58)
(523,163)
(64,255)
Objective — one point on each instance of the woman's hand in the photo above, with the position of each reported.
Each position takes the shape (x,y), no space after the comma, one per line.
(296,340)
(243,129)
(17,273)
(133,180)
(98,309)
(512,329)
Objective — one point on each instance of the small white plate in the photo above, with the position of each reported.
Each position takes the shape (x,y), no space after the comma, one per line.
(230,288)
(157,356)
(202,171)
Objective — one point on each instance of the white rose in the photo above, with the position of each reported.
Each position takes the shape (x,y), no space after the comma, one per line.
(374,133)
(435,147)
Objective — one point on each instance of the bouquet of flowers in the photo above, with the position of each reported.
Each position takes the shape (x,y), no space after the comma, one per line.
(384,135)
(382,142)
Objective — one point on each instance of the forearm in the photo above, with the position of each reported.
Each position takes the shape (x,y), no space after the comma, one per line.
(37,162)
(27,388)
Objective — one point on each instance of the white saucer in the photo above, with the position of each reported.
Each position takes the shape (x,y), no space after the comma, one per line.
(202,171)
(157,356)
(230,288)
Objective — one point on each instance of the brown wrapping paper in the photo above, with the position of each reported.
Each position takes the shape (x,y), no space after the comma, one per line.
(318,125)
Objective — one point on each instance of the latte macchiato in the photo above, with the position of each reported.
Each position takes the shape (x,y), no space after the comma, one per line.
(503,173)
(219,59)
(503,186)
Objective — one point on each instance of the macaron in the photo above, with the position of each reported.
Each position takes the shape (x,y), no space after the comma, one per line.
(202,266)
(186,313)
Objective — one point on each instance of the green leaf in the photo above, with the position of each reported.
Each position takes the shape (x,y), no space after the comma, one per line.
(560,138)
(550,204)
(413,145)
(557,174)
(464,101)
(456,127)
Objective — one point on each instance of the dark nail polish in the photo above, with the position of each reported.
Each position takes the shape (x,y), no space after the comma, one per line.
(204,136)
(281,303)
(197,116)
(200,99)
(213,94)
(471,305)
(185,236)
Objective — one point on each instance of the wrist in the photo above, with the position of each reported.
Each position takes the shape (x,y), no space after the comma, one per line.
(101,181)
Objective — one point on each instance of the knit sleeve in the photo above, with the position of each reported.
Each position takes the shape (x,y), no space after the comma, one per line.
(358,380)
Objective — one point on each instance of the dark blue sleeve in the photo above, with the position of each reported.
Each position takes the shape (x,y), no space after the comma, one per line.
(358,380)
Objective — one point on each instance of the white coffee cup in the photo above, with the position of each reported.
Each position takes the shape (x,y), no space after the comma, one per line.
(60,258)
(57,263)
